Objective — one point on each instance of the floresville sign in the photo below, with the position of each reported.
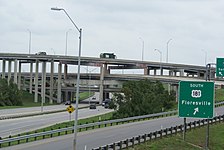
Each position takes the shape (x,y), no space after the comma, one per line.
(196,99)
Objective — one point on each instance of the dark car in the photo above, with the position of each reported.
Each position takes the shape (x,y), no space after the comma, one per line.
(106,103)
(92,106)
(93,98)
(67,103)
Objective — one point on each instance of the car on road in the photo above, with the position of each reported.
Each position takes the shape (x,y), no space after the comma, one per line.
(92,106)
(41,53)
(93,98)
(106,102)
(67,103)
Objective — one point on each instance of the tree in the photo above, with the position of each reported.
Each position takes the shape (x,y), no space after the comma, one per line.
(141,98)
(10,95)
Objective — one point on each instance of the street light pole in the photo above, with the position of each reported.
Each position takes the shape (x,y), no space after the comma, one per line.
(143,45)
(66,41)
(205,56)
(78,78)
(167,49)
(29,40)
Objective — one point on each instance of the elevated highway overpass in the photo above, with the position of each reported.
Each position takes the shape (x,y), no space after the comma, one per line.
(105,81)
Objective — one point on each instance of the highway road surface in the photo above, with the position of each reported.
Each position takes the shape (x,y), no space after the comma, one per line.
(99,137)
(20,125)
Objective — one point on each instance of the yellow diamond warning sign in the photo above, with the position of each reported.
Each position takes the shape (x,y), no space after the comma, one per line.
(70,109)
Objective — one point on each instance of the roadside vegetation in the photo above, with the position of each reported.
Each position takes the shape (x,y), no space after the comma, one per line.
(195,140)
(219,95)
(9,94)
(142,98)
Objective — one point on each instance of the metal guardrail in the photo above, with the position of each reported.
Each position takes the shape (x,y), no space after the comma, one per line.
(130,142)
(65,130)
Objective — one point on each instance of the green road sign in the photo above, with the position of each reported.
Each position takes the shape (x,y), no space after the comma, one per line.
(219,67)
(196,99)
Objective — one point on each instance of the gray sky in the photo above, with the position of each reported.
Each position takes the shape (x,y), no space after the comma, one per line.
(116,26)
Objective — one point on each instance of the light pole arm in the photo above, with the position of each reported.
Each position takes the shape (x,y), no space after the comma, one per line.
(80,30)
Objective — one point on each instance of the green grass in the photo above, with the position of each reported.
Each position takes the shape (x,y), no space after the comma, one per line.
(219,95)
(195,140)
(28,100)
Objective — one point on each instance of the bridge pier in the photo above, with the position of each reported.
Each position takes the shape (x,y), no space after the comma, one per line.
(43,86)
(36,81)
(59,83)
(9,70)
(102,73)
(51,82)
(15,71)
(19,76)
(31,77)
(3,69)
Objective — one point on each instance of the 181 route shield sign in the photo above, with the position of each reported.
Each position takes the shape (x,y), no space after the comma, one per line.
(196,99)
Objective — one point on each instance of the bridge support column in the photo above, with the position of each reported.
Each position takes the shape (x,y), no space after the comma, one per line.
(15,71)
(3,69)
(9,70)
(31,77)
(181,72)
(155,71)
(170,73)
(102,72)
(146,71)
(161,71)
(19,76)
(43,86)
(59,83)
(36,81)
(65,71)
(51,81)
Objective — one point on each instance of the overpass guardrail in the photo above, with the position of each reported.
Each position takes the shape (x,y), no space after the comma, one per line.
(63,131)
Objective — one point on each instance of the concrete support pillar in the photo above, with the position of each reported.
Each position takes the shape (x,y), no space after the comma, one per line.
(175,73)
(146,71)
(15,71)
(9,70)
(170,73)
(59,83)
(3,68)
(161,71)
(36,81)
(43,85)
(51,81)
(154,72)
(19,76)
(182,72)
(65,71)
(31,77)
(176,90)
(102,72)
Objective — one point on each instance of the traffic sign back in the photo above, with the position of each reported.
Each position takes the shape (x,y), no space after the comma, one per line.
(196,99)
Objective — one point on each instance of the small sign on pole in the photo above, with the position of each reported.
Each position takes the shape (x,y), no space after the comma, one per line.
(70,109)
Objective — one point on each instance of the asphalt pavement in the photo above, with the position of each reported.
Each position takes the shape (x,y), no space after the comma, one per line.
(95,138)
(20,125)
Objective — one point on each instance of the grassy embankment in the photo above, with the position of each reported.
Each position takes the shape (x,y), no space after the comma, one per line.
(28,100)
(195,140)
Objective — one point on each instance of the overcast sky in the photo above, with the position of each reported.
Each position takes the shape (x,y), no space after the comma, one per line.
(117,26)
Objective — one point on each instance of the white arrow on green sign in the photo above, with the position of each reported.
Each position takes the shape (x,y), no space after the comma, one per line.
(196,99)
